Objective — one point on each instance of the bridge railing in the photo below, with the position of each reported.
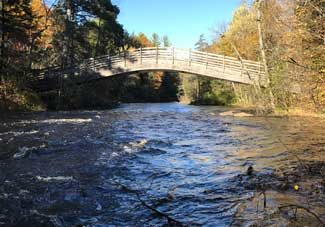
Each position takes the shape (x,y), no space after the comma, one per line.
(172,56)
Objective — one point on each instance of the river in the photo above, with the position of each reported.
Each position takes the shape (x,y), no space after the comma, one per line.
(154,165)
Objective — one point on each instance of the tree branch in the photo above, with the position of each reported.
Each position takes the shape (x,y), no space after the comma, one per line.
(293,206)
(170,220)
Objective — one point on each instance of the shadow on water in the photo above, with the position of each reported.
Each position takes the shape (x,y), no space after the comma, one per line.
(159,165)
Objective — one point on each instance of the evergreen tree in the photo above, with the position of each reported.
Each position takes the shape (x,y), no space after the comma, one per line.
(166,41)
(155,40)
(86,29)
(201,44)
(16,24)
(169,87)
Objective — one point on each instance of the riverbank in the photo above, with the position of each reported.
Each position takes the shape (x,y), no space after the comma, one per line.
(253,111)
(97,96)
(14,99)
(246,112)
(30,102)
(297,113)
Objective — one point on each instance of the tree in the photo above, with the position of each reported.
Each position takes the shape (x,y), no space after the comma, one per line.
(262,49)
(42,34)
(143,40)
(202,83)
(155,40)
(16,24)
(288,37)
(169,87)
(19,36)
(86,29)
(310,57)
(201,44)
(166,41)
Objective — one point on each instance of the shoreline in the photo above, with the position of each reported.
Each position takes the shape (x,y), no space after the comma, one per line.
(232,110)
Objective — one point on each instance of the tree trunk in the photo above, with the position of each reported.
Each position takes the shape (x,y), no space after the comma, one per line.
(262,50)
(198,91)
(98,38)
(2,54)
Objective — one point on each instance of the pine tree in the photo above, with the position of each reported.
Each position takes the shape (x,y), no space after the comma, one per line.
(201,44)
(16,24)
(166,41)
(155,40)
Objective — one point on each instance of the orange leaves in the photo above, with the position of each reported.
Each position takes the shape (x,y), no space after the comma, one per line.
(143,40)
(43,23)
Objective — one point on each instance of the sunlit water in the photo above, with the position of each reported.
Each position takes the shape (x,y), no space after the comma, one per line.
(94,168)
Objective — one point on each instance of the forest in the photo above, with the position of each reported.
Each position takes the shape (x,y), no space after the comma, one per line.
(287,36)
(293,45)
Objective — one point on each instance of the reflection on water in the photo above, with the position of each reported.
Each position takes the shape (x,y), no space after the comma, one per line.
(95,167)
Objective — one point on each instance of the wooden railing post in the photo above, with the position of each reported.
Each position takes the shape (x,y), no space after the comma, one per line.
(140,55)
(124,58)
(206,60)
(93,64)
(189,57)
(109,61)
(224,63)
(173,55)
(242,68)
(157,55)
(259,72)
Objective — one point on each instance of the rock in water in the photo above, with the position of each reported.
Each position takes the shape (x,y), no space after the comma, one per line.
(22,152)
(250,170)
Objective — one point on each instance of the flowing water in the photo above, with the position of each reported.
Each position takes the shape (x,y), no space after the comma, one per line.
(109,168)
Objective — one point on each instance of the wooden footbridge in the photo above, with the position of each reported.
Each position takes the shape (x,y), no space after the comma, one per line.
(160,59)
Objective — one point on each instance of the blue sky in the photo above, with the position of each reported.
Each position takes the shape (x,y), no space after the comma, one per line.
(182,20)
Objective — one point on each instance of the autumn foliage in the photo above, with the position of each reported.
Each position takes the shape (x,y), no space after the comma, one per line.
(293,32)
